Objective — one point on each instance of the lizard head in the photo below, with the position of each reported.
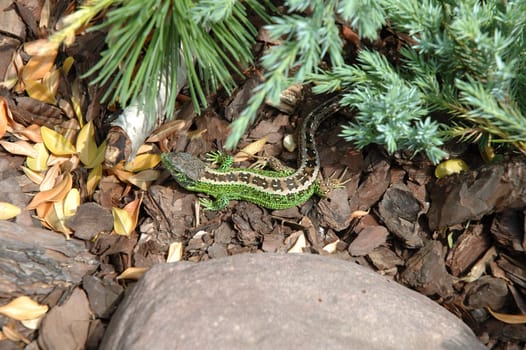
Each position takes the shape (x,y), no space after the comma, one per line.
(184,167)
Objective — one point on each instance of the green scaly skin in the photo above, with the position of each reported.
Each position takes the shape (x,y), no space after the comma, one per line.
(280,188)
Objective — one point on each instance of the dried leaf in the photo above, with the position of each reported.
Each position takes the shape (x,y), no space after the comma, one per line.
(94,177)
(56,143)
(40,91)
(40,162)
(298,246)
(56,219)
(58,193)
(43,54)
(132,273)
(21,148)
(99,158)
(358,214)
(450,167)
(175,252)
(144,178)
(23,308)
(71,202)
(3,116)
(143,162)
(32,133)
(331,247)
(166,130)
(68,63)
(250,150)
(36,177)
(8,211)
(122,222)
(507,318)
(50,179)
(14,335)
(86,146)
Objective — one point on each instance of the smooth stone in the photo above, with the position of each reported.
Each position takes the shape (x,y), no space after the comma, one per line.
(279,301)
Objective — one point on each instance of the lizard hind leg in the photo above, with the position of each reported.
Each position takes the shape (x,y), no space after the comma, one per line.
(219,203)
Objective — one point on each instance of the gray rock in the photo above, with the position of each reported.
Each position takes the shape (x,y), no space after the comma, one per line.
(273,301)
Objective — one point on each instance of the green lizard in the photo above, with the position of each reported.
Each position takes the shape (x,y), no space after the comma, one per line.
(279,188)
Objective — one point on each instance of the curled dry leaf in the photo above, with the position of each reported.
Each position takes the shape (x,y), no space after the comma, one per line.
(250,150)
(132,273)
(358,214)
(13,334)
(56,143)
(56,219)
(144,178)
(58,193)
(23,308)
(38,163)
(36,177)
(50,178)
(21,148)
(175,252)
(3,116)
(506,318)
(8,211)
(331,247)
(71,202)
(166,130)
(450,167)
(32,133)
(298,246)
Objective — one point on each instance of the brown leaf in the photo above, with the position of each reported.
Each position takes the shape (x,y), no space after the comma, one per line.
(55,194)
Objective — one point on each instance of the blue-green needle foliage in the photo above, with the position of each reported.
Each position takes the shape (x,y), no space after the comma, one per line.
(468,61)
(390,110)
(304,41)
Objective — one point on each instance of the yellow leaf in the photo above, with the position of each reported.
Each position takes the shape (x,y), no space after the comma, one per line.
(132,273)
(71,202)
(21,148)
(51,81)
(143,162)
(23,308)
(56,219)
(68,63)
(86,146)
(507,318)
(8,211)
(175,252)
(99,158)
(40,91)
(122,222)
(56,143)
(249,150)
(40,162)
(94,177)
(450,167)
